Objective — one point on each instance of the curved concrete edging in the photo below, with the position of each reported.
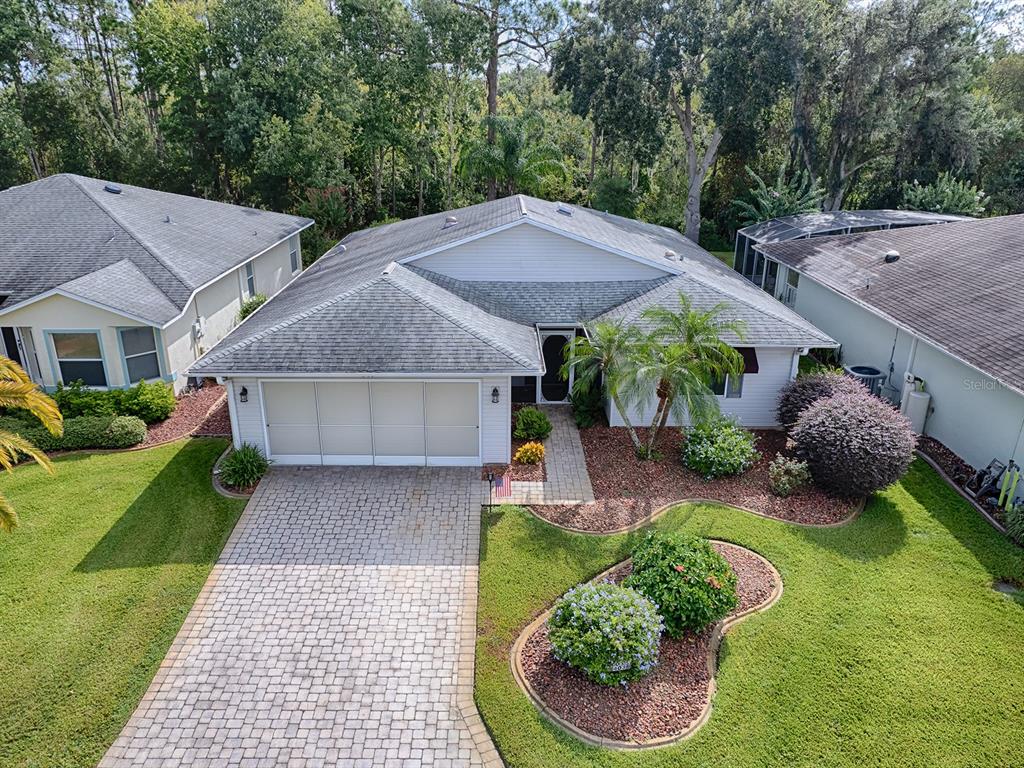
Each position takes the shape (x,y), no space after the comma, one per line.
(698,500)
(712,665)
(218,486)
(952,484)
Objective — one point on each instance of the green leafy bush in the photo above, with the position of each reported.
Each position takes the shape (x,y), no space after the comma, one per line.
(947,194)
(785,475)
(610,633)
(797,395)
(692,585)
(243,468)
(1015,522)
(81,432)
(719,448)
(250,305)
(587,406)
(854,444)
(150,402)
(532,424)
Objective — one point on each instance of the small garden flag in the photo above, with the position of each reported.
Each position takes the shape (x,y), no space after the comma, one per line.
(502,486)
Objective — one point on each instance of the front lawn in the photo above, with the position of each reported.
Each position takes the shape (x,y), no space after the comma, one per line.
(94,584)
(889,646)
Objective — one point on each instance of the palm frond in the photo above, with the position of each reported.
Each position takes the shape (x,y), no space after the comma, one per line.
(8,517)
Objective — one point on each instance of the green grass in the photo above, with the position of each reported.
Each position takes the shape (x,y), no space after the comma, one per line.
(94,584)
(888,648)
(724,256)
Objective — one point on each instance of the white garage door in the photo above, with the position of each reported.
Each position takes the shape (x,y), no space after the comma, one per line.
(373,422)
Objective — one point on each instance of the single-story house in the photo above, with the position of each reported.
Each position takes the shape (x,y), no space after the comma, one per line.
(112,284)
(408,343)
(942,305)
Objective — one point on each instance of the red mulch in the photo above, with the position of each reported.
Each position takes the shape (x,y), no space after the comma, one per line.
(629,490)
(524,473)
(670,698)
(192,416)
(955,467)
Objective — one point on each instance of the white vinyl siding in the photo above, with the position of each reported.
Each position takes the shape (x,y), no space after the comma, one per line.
(755,407)
(496,421)
(526,253)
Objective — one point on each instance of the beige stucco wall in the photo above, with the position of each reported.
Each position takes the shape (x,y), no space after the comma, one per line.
(218,303)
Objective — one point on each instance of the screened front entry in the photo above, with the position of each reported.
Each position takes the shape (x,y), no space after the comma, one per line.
(373,422)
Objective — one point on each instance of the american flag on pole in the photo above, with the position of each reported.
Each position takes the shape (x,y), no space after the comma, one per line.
(503,485)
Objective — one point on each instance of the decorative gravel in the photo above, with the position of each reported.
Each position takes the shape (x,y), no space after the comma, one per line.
(628,490)
(203,412)
(672,697)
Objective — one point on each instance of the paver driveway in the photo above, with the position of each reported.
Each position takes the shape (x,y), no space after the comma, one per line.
(336,629)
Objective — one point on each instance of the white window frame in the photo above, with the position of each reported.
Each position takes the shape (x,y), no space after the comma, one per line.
(293,254)
(57,359)
(729,392)
(126,357)
(249,279)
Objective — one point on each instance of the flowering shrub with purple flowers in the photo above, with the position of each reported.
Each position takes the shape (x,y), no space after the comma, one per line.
(692,584)
(610,633)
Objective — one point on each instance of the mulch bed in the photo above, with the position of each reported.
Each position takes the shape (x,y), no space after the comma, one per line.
(524,473)
(955,467)
(628,490)
(666,702)
(193,415)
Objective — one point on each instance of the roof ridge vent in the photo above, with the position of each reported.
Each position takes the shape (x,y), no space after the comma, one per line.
(523,212)
(112,189)
(891,257)
(449,221)
(565,209)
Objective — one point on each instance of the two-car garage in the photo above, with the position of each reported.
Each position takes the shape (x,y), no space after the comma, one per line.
(384,422)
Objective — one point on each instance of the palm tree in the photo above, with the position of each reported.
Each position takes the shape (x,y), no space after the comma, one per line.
(18,391)
(607,355)
(683,354)
(518,160)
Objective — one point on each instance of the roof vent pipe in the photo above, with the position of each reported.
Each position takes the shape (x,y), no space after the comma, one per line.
(449,221)
(671,255)
(892,257)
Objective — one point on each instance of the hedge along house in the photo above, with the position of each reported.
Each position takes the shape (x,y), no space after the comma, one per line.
(938,307)
(112,284)
(408,343)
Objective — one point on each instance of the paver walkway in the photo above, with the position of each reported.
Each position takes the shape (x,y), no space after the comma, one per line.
(568,481)
(337,628)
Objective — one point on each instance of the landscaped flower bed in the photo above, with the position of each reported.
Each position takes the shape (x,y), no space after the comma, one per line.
(628,490)
(672,698)
(523,473)
(195,413)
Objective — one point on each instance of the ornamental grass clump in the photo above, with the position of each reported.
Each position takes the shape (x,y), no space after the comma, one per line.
(611,634)
(529,453)
(719,448)
(692,585)
(798,395)
(244,467)
(854,443)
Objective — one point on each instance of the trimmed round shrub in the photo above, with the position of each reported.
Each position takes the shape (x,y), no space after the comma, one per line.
(532,424)
(123,432)
(81,432)
(692,585)
(719,448)
(243,467)
(151,402)
(611,634)
(786,475)
(854,443)
(529,453)
(797,395)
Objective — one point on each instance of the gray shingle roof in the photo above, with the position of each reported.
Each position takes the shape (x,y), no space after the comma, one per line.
(959,286)
(141,252)
(344,315)
(393,323)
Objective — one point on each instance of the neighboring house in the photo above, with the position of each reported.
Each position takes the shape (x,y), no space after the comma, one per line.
(781,283)
(942,304)
(408,343)
(112,284)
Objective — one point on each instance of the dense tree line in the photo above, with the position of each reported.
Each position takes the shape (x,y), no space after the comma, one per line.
(358,111)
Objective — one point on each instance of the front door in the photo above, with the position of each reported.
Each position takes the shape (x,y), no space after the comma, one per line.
(9,345)
(553,388)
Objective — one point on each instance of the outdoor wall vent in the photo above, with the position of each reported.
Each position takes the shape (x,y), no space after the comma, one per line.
(112,189)
(449,221)
(565,209)
(892,257)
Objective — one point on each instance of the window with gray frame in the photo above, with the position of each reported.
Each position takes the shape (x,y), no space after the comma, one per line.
(250,280)
(80,358)
(293,253)
(140,354)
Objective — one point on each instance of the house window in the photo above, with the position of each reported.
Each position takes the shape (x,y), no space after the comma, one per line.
(250,280)
(718,386)
(140,354)
(729,386)
(79,358)
(293,253)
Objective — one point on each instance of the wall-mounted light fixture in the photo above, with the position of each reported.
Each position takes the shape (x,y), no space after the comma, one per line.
(243,395)
(494,395)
